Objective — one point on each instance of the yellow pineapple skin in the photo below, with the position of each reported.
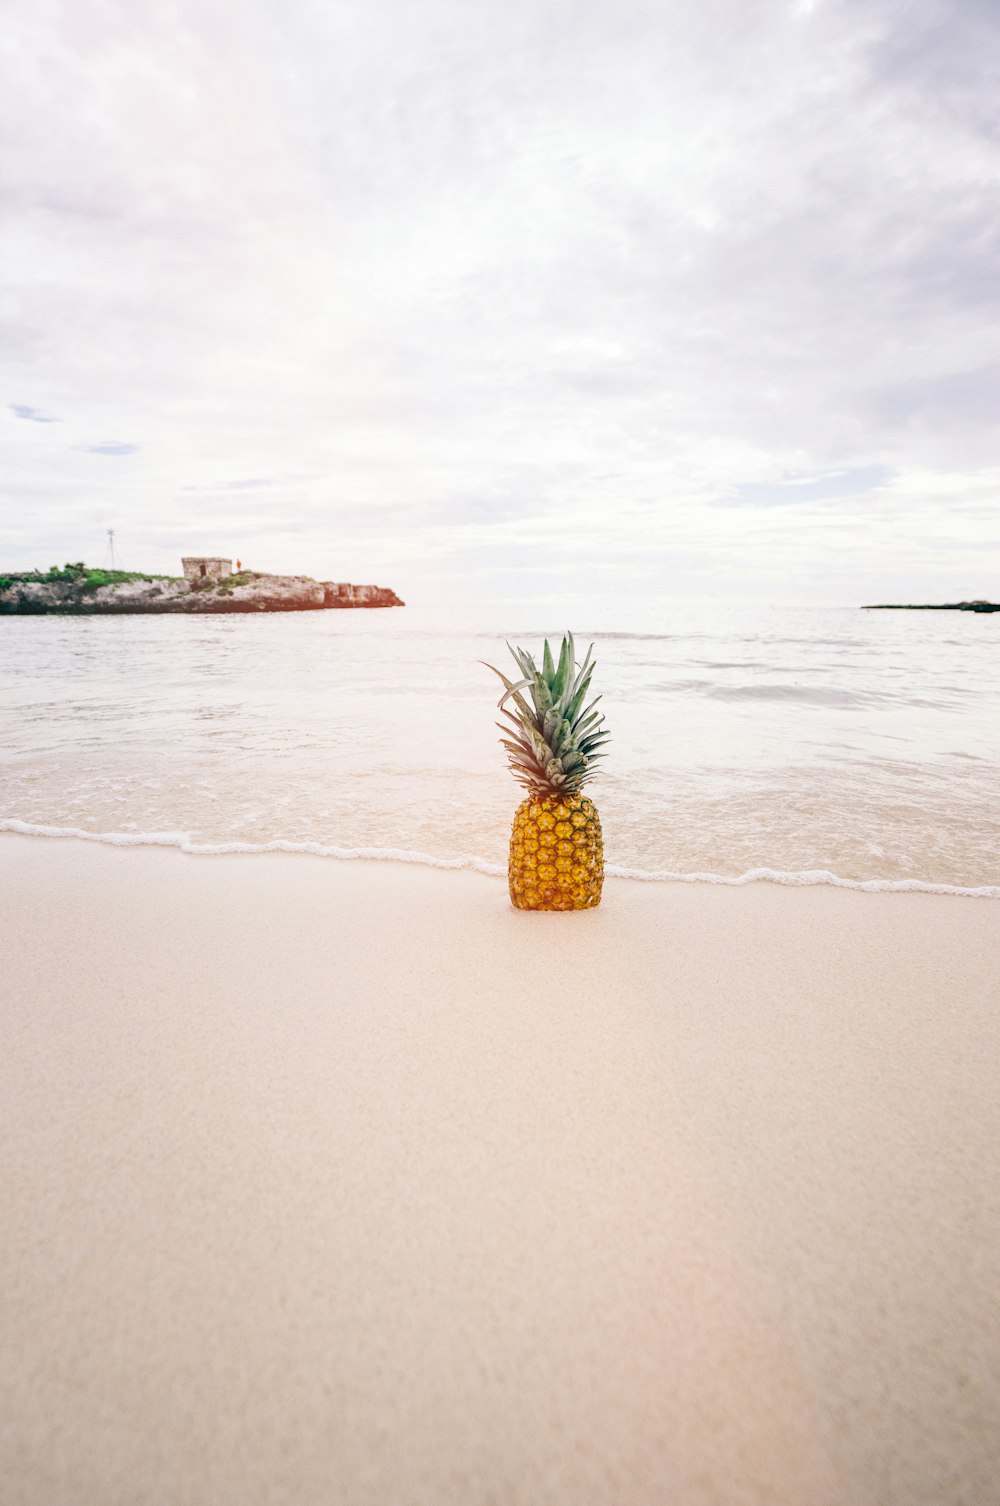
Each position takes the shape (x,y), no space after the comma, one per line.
(556,854)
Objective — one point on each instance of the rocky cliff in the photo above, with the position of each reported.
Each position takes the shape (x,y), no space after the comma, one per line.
(248,592)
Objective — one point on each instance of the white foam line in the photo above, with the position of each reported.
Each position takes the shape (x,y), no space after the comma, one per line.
(182,842)
(804,878)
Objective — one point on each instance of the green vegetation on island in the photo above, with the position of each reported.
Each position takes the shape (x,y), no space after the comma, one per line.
(225,584)
(87,577)
(90,578)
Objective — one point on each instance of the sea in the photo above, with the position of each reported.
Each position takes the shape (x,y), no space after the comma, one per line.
(797,744)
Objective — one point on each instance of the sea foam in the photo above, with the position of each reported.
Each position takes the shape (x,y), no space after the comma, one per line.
(182,842)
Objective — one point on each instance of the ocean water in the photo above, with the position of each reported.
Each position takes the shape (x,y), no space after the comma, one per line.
(810,744)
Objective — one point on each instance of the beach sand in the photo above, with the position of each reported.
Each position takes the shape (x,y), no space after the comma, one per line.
(344,1183)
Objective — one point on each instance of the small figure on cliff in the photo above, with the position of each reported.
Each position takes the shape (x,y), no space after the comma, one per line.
(239,566)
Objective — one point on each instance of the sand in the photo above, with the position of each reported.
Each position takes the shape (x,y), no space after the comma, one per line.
(344,1183)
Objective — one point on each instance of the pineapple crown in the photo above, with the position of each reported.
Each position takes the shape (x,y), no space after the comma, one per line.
(552,743)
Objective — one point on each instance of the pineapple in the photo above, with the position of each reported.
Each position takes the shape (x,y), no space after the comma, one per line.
(556,851)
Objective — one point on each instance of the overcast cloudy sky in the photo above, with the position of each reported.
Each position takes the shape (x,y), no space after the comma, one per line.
(479,298)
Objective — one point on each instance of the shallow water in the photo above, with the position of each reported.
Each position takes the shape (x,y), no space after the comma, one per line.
(809,741)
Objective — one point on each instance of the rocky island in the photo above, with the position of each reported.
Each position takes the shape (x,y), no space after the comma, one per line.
(82,590)
(944,606)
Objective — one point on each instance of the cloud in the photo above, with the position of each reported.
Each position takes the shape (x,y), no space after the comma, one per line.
(21,410)
(793,490)
(495,280)
(969,398)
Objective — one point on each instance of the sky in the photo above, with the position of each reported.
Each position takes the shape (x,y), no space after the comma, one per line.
(483,299)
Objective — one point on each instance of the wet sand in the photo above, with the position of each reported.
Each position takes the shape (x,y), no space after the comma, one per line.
(343,1182)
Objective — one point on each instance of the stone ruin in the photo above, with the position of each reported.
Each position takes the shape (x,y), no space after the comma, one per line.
(206,567)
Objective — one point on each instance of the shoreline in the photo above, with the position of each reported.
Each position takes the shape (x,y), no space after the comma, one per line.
(179,841)
(329,1181)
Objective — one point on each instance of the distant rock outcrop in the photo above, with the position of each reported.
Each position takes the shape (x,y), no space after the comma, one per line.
(945,606)
(249,591)
(358,596)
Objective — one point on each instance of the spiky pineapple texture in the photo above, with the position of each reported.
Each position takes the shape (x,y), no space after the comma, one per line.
(554,739)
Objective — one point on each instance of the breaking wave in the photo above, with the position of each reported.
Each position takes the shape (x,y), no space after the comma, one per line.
(182,843)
